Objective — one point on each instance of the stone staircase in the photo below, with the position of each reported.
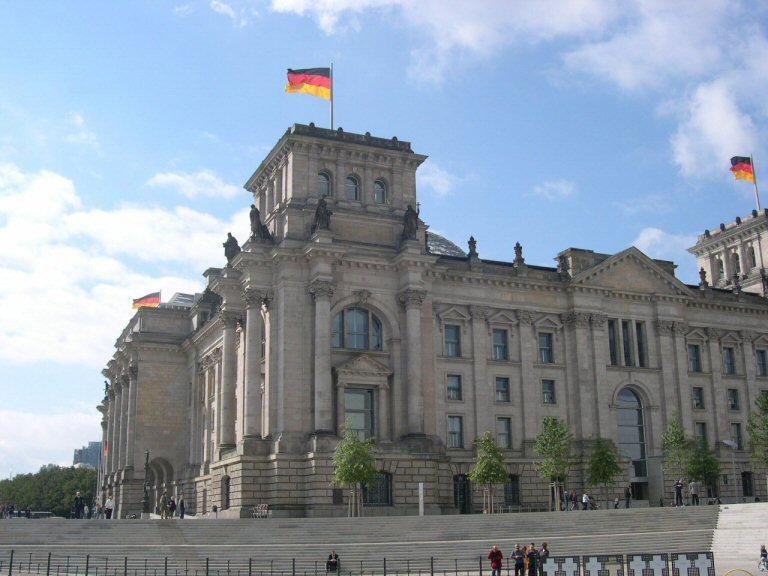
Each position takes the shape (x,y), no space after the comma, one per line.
(410,544)
(741,528)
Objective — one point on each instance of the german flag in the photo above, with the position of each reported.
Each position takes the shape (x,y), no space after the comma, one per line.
(150,301)
(314,81)
(741,166)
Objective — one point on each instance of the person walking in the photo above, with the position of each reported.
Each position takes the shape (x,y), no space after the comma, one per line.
(519,557)
(693,490)
(533,560)
(628,496)
(79,505)
(164,505)
(679,492)
(585,501)
(495,556)
(109,507)
(182,507)
(543,555)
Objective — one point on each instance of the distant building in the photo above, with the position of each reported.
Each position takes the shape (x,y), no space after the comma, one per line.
(342,306)
(88,455)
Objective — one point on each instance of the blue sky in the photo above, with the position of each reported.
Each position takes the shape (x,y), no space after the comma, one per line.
(127,130)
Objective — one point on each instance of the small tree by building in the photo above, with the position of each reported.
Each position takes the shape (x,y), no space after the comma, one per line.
(757,428)
(355,465)
(677,447)
(489,468)
(553,444)
(703,464)
(603,466)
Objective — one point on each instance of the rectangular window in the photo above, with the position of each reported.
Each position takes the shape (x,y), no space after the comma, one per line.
(694,358)
(701,432)
(546,353)
(512,491)
(500,350)
(729,360)
(453,341)
(626,337)
(762,362)
(548,391)
(613,343)
(358,411)
(733,399)
(504,432)
(455,432)
(378,492)
(502,389)
(642,358)
(454,387)
(697,395)
(736,435)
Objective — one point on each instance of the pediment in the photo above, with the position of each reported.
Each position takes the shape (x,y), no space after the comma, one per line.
(453,313)
(697,334)
(631,271)
(730,338)
(761,341)
(364,365)
(503,317)
(548,323)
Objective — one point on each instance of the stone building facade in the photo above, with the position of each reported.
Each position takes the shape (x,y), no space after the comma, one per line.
(342,306)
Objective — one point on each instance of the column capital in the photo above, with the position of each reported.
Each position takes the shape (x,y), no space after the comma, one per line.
(598,320)
(526,317)
(479,312)
(747,336)
(411,297)
(321,289)
(133,371)
(665,327)
(713,333)
(680,328)
(577,319)
(255,298)
(230,319)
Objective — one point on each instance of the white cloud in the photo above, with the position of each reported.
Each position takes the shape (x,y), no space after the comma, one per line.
(52,439)
(657,243)
(202,183)
(431,177)
(68,273)
(79,133)
(555,189)
(241,16)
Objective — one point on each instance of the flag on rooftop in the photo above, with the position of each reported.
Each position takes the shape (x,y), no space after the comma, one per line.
(150,300)
(741,166)
(314,81)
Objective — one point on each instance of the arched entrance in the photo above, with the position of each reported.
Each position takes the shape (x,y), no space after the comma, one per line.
(630,420)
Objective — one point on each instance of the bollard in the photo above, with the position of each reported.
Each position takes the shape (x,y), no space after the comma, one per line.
(227,567)
(293,567)
(165,566)
(480,560)
(385,567)
(48,566)
(87,562)
(207,560)
(432,566)
(66,571)
(10,564)
(249,565)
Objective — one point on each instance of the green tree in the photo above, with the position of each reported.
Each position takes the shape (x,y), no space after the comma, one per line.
(355,466)
(703,464)
(553,444)
(51,489)
(757,428)
(603,466)
(489,468)
(677,447)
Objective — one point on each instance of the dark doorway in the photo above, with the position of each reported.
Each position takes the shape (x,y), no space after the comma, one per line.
(462,494)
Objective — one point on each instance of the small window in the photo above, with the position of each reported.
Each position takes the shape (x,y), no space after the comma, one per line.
(455,432)
(642,359)
(626,337)
(323,184)
(356,328)
(729,360)
(548,391)
(502,389)
(697,394)
(379,192)
(733,399)
(352,188)
(720,269)
(613,343)
(358,411)
(736,264)
(504,432)
(378,492)
(453,341)
(694,358)
(454,387)
(761,356)
(751,257)
(546,353)
(736,435)
(500,350)
(701,432)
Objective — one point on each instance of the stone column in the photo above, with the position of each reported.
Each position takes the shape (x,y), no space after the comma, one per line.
(384,425)
(228,380)
(717,395)
(601,355)
(481,389)
(133,375)
(114,457)
(531,389)
(253,359)
(750,369)
(412,300)
(109,427)
(580,371)
(680,329)
(207,416)
(124,404)
(322,291)
(670,377)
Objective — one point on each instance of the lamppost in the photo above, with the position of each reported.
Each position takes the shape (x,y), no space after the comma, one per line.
(145,498)
(733,445)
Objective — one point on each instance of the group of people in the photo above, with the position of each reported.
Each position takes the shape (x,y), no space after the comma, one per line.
(693,492)
(168,506)
(528,560)
(13,511)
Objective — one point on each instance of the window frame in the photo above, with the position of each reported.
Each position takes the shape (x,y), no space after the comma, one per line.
(373,338)
(383,490)
(500,351)
(548,397)
(738,437)
(546,349)
(729,360)
(506,424)
(380,185)
(694,360)
(455,438)
(352,182)
(700,432)
(732,398)
(451,390)
(761,362)
(452,348)
(328,179)
(697,398)
(508,390)
(368,413)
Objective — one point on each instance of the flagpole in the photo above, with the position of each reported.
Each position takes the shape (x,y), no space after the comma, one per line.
(759,241)
(332,106)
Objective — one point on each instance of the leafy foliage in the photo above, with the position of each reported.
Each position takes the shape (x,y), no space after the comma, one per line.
(51,489)
(757,428)
(677,447)
(703,464)
(553,444)
(603,465)
(489,467)
(354,460)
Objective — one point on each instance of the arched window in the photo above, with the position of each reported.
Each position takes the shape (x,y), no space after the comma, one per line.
(736,264)
(323,184)
(352,188)
(379,192)
(631,428)
(356,328)
(720,269)
(378,492)
(751,256)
